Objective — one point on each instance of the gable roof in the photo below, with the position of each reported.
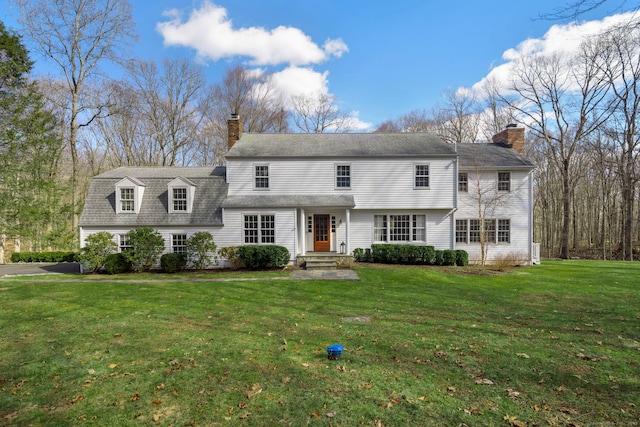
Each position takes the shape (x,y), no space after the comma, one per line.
(491,156)
(340,145)
(210,191)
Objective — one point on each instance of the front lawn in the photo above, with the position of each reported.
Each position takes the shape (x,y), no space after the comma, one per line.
(556,344)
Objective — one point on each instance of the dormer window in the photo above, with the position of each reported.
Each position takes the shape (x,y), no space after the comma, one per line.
(129,192)
(181,193)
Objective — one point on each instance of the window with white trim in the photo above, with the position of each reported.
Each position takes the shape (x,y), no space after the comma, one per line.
(504,181)
(504,231)
(179,197)
(124,243)
(490,230)
(343,176)
(261,177)
(463,182)
(127,199)
(421,176)
(400,228)
(474,231)
(259,229)
(178,243)
(461,230)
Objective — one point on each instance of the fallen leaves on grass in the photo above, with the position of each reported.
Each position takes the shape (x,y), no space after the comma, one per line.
(484,381)
(523,355)
(255,390)
(514,422)
(590,358)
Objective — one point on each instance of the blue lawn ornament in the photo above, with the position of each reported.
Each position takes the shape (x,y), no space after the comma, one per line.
(334,352)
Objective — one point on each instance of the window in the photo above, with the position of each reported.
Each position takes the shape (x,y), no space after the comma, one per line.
(127,199)
(421,176)
(259,229)
(380,228)
(504,231)
(178,243)
(490,230)
(333,224)
(461,230)
(504,181)
(262,176)
(474,230)
(400,228)
(343,176)
(179,199)
(463,182)
(123,243)
(310,224)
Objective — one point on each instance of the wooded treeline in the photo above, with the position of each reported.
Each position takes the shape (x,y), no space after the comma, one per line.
(581,116)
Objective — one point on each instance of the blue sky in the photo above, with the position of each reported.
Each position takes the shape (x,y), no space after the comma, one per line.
(380,60)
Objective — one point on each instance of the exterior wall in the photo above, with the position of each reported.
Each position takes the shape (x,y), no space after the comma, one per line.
(375,183)
(515,205)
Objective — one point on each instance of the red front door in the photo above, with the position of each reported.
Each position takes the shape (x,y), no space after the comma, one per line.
(321,242)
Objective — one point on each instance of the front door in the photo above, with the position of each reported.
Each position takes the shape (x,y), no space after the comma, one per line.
(321,234)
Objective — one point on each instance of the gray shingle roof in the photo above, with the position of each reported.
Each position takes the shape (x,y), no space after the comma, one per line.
(303,201)
(210,191)
(491,155)
(340,145)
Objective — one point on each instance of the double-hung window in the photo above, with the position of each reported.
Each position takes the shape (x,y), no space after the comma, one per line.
(179,199)
(494,230)
(421,174)
(461,230)
(343,176)
(261,176)
(504,231)
(127,199)
(259,229)
(504,181)
(123,243)
(463,182)
(178,243)
(400,228)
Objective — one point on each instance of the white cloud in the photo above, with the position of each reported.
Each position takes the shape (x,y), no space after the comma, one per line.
(211,33)
(562,40)
(293,81)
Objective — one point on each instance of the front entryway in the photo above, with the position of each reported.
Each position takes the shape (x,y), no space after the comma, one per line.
(321,233)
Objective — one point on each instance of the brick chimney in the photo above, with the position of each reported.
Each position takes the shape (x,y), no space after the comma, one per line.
(513,136)
(234,127)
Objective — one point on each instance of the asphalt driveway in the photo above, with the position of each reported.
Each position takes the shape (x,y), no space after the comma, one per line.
(39,268)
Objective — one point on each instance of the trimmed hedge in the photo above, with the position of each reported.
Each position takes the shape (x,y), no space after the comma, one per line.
(117,264)
(55,256)
(411,254)
(264,256)
(170,263)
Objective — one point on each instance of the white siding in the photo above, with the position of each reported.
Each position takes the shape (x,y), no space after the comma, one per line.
(514,205)
(375,183)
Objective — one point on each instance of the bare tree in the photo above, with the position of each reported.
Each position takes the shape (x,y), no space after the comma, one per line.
(562,104)
(318,113)
(413,121)
(458,117)
(78,35)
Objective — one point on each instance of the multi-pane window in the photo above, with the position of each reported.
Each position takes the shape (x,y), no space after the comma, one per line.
(259,229)
(400,228)
(178,243)
(474,230)
(380,228)
(123,243)
(463,182)
(261,176)
(504,231)
(310,224)
(333,224)
(179,199)
(421,176)
(494,230)
(127,199)
(461,230)
(343,176)
(504,181)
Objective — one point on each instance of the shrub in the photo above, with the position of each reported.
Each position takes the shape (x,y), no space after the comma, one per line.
(55,256)
(146,246)
(117,264)
(201,250)
(358,254)
(231,254)
(402,254)
(97,247)
(439,258)
(462,258)
(449,257)
(264,256)
(170,263)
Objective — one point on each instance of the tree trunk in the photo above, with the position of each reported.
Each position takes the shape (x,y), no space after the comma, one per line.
(566,211)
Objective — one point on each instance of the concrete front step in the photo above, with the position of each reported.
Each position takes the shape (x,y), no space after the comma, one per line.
(318,264)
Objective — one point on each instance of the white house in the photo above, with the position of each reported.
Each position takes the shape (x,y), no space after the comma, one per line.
(331,193)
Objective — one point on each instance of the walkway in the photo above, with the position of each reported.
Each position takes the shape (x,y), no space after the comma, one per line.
(324,275)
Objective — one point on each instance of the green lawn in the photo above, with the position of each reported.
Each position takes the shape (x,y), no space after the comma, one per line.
(556,344)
